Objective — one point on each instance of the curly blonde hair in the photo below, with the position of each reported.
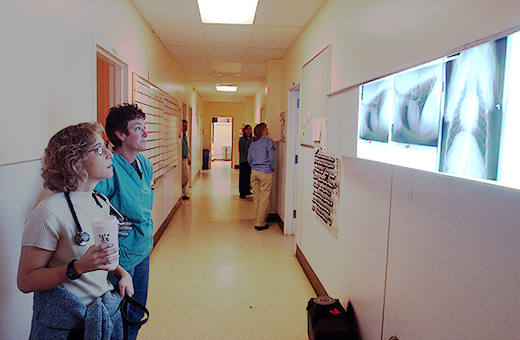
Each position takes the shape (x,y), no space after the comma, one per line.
(62,165)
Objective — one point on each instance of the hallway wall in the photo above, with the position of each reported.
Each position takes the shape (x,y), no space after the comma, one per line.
(49,73)
(420,255)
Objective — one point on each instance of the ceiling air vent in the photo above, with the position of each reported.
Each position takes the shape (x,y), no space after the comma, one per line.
(216,74)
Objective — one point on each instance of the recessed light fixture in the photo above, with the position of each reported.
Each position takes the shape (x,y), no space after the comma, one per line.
(226,88)
(239,12)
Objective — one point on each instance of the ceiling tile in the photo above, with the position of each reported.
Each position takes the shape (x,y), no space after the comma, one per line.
(225,67)
(169,10)
(227,35)
(230,54)
(189,53)
(274,37)
(204,86)
(195,45)
(194,66)
(260,55)
(172,33)
(295,13)
(200,76)
(226,79)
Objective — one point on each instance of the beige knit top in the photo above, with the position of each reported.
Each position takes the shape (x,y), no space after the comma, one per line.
(50,226)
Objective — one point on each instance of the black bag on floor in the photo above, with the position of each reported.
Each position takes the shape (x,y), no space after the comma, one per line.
(328,320)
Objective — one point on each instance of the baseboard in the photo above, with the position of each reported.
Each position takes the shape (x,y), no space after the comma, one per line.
(194,179)
(157,236)
(311,276)
(275,218)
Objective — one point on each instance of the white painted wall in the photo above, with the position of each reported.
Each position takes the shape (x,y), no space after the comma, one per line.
(48,68)
(196,135)
(452,246)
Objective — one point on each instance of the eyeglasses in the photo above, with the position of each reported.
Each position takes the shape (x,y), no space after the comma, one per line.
(100,150)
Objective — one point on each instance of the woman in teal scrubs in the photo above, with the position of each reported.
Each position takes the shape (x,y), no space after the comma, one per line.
(131,193)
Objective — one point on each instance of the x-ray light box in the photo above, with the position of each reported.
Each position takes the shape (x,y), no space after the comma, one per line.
(456,115)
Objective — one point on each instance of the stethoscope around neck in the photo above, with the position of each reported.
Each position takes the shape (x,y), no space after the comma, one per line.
(82,237)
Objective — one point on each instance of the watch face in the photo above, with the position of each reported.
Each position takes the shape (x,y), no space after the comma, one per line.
(71,273)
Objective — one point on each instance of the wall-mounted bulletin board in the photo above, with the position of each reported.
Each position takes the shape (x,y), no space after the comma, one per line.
(171,133)
(315,88)
(162,124)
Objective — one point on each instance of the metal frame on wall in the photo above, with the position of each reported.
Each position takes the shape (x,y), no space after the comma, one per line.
(163,121)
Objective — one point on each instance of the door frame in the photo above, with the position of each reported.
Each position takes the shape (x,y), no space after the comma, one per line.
(218,119)
(118,77)
(291,167)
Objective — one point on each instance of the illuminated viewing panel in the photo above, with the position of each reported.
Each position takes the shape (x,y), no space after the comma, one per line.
(456,115)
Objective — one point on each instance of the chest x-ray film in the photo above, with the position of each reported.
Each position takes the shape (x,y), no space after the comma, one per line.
(473,114)
(417,105)
(458,114)
(376,106)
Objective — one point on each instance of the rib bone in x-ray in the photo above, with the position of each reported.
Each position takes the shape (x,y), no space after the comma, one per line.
(417,105)
(470,99)
(374,124)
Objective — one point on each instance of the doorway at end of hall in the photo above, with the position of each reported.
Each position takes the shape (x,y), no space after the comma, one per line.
(222,139)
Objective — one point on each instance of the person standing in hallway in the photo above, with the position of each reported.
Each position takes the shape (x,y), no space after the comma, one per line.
(59,261)
(244,184)
(261,158)
(131,193)
(186,161)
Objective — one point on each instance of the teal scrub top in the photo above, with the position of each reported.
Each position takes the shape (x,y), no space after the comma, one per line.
(185,148)
(243,147)
(133,197)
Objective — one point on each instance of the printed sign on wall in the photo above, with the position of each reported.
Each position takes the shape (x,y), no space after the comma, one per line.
(326,185)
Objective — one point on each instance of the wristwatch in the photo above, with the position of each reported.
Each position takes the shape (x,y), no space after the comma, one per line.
(71,272)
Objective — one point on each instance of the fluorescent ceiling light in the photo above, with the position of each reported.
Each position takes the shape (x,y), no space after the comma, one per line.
(241,12)
(226,88)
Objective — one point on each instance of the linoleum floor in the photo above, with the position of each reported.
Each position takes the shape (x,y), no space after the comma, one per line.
(213,276)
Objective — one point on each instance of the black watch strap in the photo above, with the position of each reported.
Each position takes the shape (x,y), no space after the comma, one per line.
(71,272)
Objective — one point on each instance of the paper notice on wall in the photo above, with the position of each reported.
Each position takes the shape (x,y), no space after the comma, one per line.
(323,133)
(316,129)
(325,197)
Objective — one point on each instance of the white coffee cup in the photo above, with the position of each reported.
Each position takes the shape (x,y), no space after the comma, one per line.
(106,230)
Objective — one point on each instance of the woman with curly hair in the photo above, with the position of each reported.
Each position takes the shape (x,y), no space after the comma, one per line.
(68,274)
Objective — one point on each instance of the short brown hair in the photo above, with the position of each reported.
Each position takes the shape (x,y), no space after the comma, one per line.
(62,164)
(117,120)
